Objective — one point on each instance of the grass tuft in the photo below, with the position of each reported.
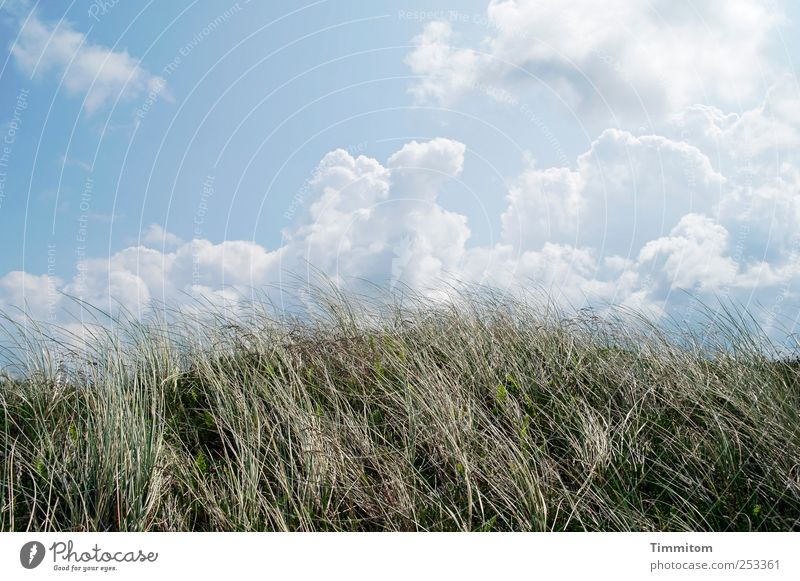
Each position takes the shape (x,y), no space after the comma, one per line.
(482,413)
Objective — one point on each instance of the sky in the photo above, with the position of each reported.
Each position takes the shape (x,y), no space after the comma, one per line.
(641,153)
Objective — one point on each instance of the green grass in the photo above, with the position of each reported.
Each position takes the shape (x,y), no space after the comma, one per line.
(481,414)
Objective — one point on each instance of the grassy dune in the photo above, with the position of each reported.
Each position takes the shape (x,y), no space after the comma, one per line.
(485,414)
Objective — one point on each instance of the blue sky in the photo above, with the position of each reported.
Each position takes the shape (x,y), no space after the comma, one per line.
(623,154)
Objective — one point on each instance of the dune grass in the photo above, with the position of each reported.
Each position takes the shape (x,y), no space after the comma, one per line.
(484,413)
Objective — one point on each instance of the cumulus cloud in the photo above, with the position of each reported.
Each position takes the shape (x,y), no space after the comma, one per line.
(96,72)
(368,221)
(634,219)
(369,217)
(623,56)
(706,201)
(445,70)
(624,191)
(37,295)
(758,151)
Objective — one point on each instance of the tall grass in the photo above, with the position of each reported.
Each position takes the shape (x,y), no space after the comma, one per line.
(480,413)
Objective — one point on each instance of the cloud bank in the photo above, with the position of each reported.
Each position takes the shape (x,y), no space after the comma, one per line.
(623,57)
(707,203)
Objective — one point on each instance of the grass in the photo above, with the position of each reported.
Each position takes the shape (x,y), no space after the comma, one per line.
(484,413)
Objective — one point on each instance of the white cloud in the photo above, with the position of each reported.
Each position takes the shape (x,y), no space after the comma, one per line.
(624,191)
(445,71)
(38,295)
(693,254)
(156,235)
(621,56)
(91,70)
(367,222)
(759,151)
(709,204)
(368,214)
(634,219)
(440,155)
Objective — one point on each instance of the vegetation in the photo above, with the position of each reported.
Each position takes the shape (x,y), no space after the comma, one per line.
(482,413)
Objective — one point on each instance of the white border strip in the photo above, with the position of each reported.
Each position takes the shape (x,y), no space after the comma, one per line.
(442,556)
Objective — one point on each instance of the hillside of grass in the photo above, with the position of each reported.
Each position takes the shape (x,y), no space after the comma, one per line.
(481,414)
